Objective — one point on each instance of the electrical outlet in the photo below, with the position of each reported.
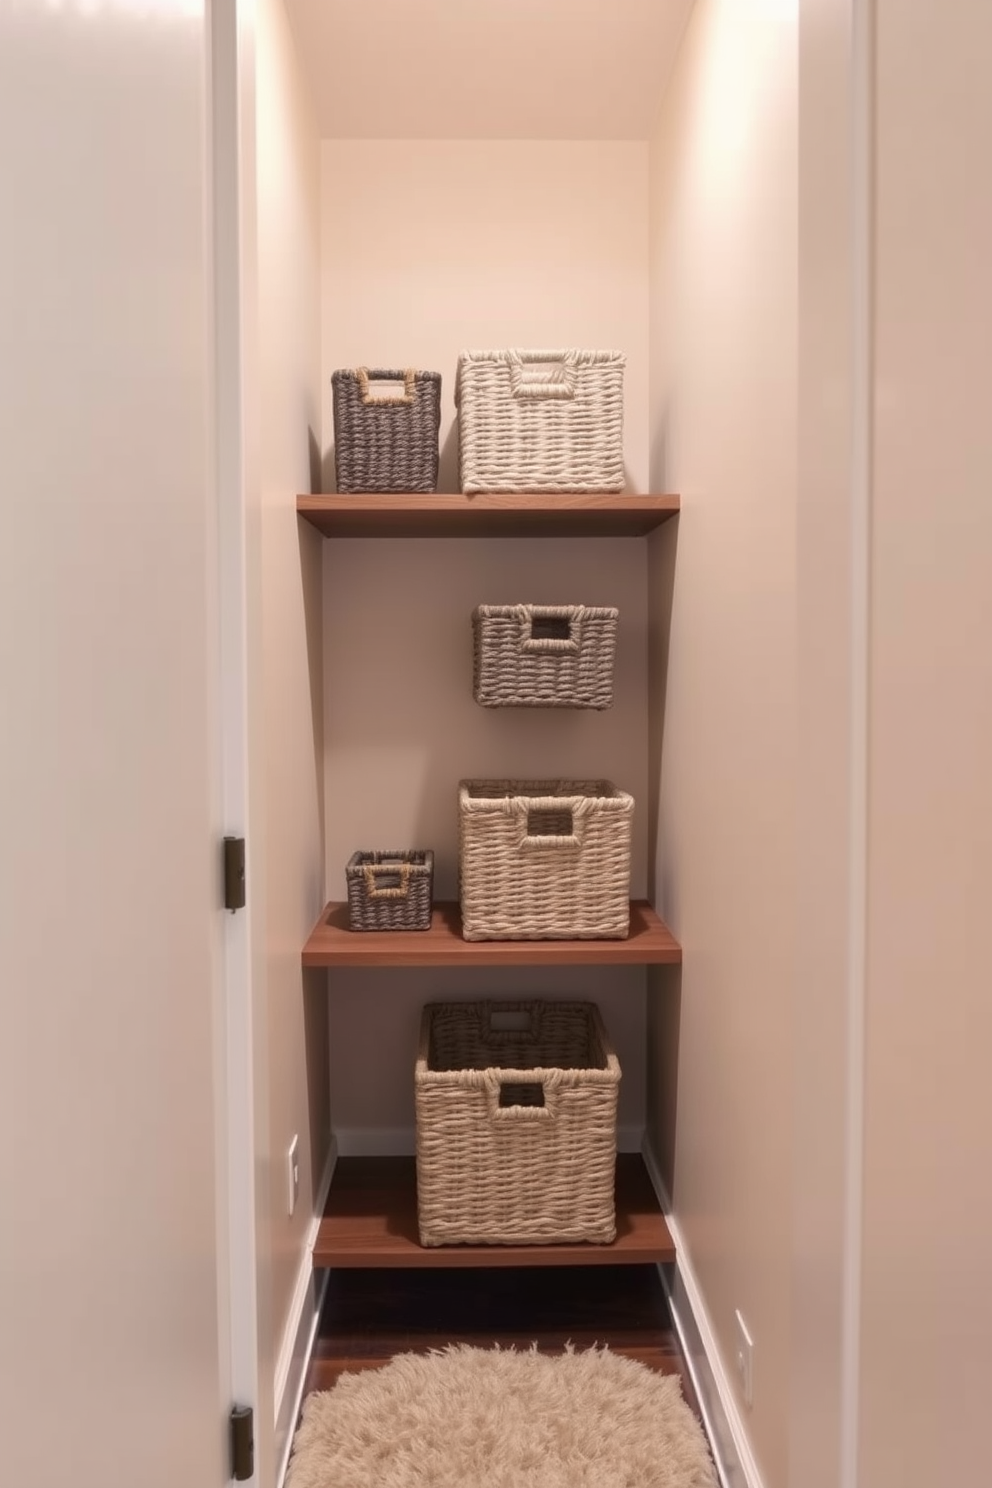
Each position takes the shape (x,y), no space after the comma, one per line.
(745,1360)
(293,1174)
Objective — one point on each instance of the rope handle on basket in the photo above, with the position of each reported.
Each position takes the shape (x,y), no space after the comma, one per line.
(555,378)
(385,400)
(396,891)
(549,1082)
(568,644)
(575,808)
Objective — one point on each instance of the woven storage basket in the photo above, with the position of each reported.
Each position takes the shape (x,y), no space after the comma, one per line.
(543,656)
(390,890)
(383,442)
(540,420)
(516,1126)
(544,859)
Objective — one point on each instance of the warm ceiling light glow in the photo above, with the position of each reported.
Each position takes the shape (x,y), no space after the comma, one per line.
(91,10)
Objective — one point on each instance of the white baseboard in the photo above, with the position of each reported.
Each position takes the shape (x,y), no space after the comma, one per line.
(717,1398)
(300,1330)
(401,1141)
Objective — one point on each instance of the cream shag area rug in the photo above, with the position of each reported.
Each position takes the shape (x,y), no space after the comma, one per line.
(498,1418)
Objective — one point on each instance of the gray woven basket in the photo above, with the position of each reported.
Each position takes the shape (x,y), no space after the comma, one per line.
(543,656)
(516,1124)
(540,421)
(390,890)
(386,442)
(544,859)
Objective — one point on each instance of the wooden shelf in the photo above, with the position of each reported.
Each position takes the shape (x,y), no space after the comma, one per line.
(331,943)
(443,514)
(371,1221)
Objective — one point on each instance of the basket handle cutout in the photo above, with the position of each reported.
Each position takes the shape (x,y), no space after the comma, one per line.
(544,823)
(522,1093)
(542,374)
(518,1106)
(389,880)
(551,629)
(555,823)
(545,628)
(379,397)
(505,1020)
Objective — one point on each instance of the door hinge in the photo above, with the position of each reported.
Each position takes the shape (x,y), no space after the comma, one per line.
(242,1443)
(234,873)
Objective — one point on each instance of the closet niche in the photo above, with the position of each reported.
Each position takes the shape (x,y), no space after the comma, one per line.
(429,248)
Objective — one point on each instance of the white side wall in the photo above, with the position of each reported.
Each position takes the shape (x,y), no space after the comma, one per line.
(926,1363)
(724,434)
(831,520)
(292,1057)
(108,852)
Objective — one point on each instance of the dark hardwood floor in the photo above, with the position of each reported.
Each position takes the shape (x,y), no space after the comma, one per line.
(370,1315)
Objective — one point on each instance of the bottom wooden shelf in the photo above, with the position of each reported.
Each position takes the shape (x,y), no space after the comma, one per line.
(370,1220)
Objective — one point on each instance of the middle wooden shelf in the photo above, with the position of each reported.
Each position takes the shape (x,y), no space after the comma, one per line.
(332,943)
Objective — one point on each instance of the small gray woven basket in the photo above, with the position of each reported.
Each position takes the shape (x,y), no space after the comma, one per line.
(390,890)
(516,1107)
(543,656)
(384,442)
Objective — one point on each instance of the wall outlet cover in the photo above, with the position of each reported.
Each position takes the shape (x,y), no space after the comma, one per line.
(745,1360)
(293,1174)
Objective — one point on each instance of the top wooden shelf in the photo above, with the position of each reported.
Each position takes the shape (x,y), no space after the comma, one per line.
(444,514)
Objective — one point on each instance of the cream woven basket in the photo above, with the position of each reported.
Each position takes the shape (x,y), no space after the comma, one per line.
(540,421)
(544,859)
(516,1124)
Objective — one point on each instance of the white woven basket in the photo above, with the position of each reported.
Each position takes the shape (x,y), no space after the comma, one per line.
(540,420)
(544,859)
(516,1124)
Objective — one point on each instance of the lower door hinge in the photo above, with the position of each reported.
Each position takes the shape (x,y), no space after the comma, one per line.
(234,873)
(242,1443)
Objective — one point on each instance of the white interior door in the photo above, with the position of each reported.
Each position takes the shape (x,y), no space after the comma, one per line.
(232,202)
(109,1276)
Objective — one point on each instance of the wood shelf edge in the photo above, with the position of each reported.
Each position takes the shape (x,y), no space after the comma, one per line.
(370,1223)
(421,514)
(331,943)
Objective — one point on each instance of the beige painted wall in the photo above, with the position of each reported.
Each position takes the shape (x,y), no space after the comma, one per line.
(292,1027)
(109,893)
(431,247)
(926,1360)
(829,905)
(428,248)
(724,434)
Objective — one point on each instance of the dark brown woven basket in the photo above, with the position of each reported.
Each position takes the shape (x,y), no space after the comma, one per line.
(384,442)
(390,890)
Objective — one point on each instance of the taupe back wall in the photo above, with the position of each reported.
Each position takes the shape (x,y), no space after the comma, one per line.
(401,726)
(429,248)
